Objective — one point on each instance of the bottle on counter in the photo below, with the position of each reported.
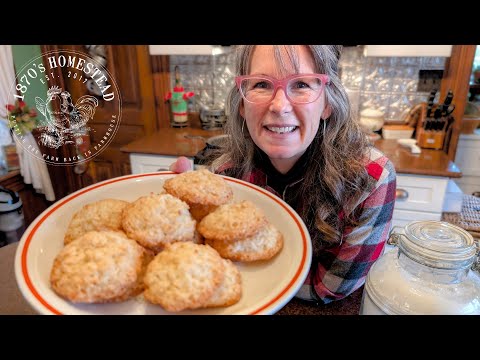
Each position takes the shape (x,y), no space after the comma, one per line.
(428,273)
(178,99)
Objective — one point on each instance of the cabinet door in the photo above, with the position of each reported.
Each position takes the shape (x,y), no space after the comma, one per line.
(420,193)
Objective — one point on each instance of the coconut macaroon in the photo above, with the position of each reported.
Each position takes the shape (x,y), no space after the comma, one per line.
(264,245)
(104,214)
(157,220)
(202,190)
(232,221)
(98,267)
(183,276)
(229,291)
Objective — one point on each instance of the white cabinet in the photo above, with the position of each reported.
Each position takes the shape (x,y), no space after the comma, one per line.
(145,163)
(467,159)
(408,50)
(187,49)
(419,197)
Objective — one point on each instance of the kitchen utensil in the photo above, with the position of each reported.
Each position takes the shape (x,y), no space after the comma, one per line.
(447,102)
(438,112)
(430,101)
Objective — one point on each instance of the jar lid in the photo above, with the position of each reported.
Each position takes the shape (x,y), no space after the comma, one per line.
(438,244)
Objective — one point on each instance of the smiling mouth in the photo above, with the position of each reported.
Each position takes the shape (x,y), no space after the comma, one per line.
(281,130)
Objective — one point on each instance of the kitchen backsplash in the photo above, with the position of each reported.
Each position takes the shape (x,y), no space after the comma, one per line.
(388,84)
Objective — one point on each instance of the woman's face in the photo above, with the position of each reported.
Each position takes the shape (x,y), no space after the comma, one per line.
(283,130)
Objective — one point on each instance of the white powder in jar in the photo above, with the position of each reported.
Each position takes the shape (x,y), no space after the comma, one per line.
(402,292)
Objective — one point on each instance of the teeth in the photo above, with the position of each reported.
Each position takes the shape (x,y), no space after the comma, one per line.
(281,130)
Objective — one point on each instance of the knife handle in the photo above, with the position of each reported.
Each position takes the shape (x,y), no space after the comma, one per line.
(431,97)
(446,104)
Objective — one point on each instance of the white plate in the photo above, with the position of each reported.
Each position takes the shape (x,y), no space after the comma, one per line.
(267,285)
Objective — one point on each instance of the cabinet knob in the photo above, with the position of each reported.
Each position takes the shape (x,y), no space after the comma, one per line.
(401,194)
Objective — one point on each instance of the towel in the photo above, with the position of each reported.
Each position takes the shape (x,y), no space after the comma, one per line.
(34,170)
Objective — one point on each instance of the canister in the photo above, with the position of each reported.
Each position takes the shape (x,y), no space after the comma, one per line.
(429,272)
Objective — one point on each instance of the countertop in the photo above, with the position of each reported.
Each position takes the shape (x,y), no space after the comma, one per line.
(186,141)
(12,301)
(189,141)
(428,162)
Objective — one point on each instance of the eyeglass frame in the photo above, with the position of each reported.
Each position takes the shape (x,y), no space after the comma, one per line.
(282,83)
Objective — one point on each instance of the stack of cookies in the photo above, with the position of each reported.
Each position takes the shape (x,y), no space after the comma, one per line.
(191,276)
(240,232)
(201,190)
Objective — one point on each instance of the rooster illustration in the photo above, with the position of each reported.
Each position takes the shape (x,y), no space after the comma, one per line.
(64,125)
(80,113)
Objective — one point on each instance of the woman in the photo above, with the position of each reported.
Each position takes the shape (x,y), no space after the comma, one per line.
(293,134)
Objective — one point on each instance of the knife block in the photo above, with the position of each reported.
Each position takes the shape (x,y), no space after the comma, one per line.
(428,139)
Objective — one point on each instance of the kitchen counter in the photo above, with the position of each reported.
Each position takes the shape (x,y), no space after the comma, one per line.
(428,162)
(189,141)
(186,141)
(12,301)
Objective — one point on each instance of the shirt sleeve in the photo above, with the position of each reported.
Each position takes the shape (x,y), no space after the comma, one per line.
(341,270)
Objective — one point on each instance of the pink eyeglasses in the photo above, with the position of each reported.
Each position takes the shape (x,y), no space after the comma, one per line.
(299,88)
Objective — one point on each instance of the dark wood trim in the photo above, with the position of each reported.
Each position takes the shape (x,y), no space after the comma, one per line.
(62,177)
(457,78)
(147,88)
(161,81)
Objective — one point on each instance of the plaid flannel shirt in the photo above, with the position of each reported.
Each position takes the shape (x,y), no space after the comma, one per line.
(342,269)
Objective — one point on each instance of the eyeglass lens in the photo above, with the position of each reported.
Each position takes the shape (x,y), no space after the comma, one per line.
(300,90)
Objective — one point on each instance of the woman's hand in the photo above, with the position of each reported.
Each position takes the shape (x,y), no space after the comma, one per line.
(181,165)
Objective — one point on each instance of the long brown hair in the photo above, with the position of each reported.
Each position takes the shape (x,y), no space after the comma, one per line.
(336,177)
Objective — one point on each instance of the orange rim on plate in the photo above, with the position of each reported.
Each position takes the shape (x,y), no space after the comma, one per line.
(45,303)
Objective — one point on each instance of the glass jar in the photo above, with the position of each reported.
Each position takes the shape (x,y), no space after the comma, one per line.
(429,272)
